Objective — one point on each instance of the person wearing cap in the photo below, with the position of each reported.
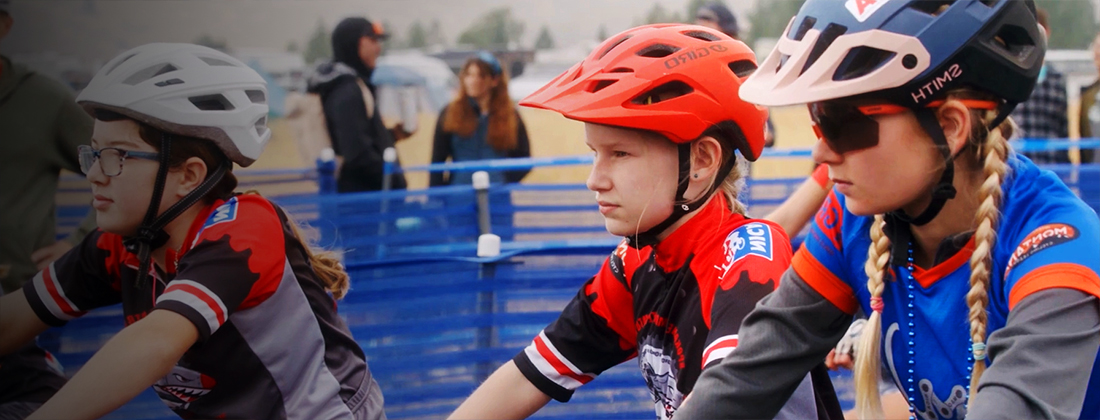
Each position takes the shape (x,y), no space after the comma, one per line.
(717,16)
(347,95)
(42,128)
(480,123)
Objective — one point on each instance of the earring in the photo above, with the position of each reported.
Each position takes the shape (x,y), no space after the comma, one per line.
(696,176)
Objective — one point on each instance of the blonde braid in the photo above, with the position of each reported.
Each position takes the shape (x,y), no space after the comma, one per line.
(868,361)
(996,152)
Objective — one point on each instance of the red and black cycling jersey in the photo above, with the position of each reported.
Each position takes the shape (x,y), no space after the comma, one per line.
(677,306)
(271,345)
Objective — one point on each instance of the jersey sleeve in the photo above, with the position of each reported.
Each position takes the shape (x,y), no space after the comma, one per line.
(594,333)
(820,261)
(85,278)
(755,257)
(1061,252)
(236,261)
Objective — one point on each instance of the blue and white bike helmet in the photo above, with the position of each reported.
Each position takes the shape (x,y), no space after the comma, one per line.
(908,53)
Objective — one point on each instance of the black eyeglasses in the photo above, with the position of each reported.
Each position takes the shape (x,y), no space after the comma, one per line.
(110,158)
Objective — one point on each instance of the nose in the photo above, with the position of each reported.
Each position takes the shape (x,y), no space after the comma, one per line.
(822,153)
(598,180)
(95,174)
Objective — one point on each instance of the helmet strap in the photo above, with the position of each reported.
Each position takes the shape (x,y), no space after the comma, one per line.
(944,190)
(150,234)
(682,206)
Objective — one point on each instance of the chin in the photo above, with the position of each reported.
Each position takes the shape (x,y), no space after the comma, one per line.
(861,208)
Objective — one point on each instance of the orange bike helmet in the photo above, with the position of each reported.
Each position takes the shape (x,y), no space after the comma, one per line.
(705,66)
(680,81)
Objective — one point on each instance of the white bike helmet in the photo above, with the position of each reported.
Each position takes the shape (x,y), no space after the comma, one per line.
(188,90)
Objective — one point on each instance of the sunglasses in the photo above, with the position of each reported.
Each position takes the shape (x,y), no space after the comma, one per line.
(110,158)
(847,127)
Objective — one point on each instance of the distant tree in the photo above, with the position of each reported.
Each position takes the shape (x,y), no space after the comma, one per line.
(319,46)
(435,34)
(495,29)
(392,41)
(770,18)
(545,40)
(658,14)
(418,36)
(292,46)
(601,34)
(1072,23)
(207,40)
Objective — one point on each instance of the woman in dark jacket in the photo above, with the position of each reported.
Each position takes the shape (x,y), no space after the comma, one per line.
(481,123)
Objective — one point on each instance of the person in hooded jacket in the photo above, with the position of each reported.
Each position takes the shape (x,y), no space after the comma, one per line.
(347,95)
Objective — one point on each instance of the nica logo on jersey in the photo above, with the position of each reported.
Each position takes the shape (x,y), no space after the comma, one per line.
(226,212)
(751,239)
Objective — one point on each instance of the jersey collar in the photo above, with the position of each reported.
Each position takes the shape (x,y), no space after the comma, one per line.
(674,250)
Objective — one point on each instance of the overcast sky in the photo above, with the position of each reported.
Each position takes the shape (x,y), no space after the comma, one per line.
(102,28)
(99,29)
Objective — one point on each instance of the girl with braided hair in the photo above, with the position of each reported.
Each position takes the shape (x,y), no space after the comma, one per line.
(978,270)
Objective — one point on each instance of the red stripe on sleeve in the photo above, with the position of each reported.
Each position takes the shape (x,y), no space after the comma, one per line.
(205,298)
(1061,275)
(61,302)
(562,369)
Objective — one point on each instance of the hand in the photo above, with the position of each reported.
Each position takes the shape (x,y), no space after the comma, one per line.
(43,257)
(836,361)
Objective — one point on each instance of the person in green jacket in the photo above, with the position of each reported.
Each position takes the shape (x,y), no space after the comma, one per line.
(40,128)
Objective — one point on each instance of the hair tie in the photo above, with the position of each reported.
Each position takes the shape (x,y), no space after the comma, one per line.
(979,351)
(876,304)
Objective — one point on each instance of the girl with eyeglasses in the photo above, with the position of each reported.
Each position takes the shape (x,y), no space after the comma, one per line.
(213,285)
(978,270)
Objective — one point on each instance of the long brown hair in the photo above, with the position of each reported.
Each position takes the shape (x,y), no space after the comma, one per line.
(325,265)
(991,150)
(462,120)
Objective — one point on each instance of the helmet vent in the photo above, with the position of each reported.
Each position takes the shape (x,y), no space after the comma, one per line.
(931,7)
(217,63)
(701,35)
(119,63)
(598,85)
(742,68)
(804,27)
(830,34)
(612,46)
(621,70)
(261,126)
(256,96)
(861,61)
(169,82)
(216,102)
(149,73)
(664,92)
(1014,40)
(990,3)
(657,51)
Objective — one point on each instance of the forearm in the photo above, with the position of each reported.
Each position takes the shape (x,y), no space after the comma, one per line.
(1042,358)
(788,333)
(507,394)
(131,361)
